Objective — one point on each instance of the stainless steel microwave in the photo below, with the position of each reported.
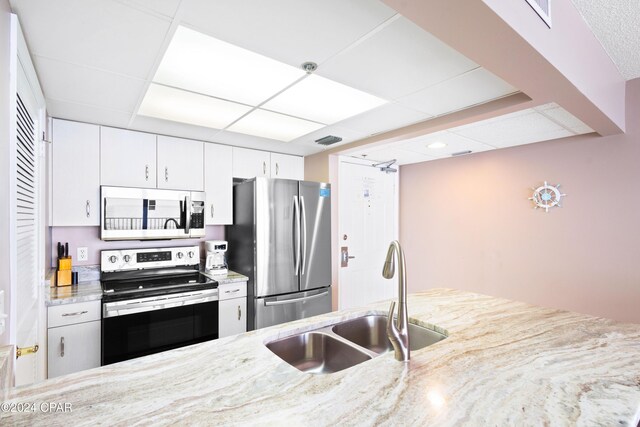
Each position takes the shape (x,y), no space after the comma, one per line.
(150,214)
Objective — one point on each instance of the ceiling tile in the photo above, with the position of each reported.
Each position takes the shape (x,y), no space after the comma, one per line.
(398,60)
(454,144)
(274,125)
(181,106)
(67,82)
(259,143)
(402,157)
(519,128)
(167,8)
(103,34)
(384,118)
(564,118)
(292,31)
(87,113)
(463,91)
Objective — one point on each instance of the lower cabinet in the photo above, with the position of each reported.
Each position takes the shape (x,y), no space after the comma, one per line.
(73,337)
(232,309)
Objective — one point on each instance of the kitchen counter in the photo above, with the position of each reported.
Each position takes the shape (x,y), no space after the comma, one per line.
(92,290)
(503,363)
(6,366)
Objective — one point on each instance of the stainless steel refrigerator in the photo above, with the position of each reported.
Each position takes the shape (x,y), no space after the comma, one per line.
(281,240)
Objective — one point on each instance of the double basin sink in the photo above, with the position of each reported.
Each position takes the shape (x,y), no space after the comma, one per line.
(337,347)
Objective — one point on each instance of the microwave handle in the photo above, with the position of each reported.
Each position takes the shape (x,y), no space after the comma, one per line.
(187,221)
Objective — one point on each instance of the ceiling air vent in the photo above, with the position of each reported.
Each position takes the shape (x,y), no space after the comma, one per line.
(328,140)
(543,9)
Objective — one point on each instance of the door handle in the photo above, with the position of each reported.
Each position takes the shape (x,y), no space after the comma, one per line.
(264,168)
(77,313)
(239,312)
(303,249)
(211,210)
(146,172)
(345,257)
(61,346)
(166,173)
(277,168)
(88,208)
(296,233)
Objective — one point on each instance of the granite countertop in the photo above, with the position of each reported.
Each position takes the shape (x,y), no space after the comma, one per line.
(503,363)
(92,290)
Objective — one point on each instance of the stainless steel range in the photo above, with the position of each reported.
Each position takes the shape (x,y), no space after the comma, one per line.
(155,300)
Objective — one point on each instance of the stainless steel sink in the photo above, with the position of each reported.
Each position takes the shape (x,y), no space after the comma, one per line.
(317,353)
(334,348)
(370,332)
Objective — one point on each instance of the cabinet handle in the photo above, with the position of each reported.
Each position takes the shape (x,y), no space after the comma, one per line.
(232,292)
(77,313)
(211,210)
(239,313)
(277,168)
(146,172)
(166,173)
(88,209)
(61,346)
(264,168)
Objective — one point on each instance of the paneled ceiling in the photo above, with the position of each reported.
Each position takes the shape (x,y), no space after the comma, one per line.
(96,59)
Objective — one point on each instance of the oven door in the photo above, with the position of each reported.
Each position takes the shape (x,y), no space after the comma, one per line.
(139,327)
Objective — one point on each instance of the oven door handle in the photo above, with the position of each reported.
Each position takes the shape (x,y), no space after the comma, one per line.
(121,308)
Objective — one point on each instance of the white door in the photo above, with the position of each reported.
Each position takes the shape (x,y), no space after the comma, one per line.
(27,219)
(127,158)
(287,167)
(218,184)
(180,165)
(368,222)
(251,163)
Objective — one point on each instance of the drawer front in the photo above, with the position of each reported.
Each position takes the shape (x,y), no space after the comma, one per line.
(232,290)
(69,314)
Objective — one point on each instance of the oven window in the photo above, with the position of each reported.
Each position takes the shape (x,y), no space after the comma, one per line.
(134,335)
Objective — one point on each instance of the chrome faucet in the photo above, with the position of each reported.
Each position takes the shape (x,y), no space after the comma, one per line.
(398,334)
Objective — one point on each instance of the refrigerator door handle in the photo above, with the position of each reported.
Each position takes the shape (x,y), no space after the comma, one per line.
(296,235)
(294,300)
(303,252)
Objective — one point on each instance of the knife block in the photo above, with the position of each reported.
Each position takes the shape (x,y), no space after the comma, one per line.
(63,275)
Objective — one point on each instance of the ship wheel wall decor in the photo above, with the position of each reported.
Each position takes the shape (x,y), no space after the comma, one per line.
(547,196)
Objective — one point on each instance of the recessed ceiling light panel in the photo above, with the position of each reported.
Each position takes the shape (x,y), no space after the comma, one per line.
(181,106)
(323,100)
(272,125)
(203,64)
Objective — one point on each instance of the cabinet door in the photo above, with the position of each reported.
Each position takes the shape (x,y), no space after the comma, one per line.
(250,163)
(76,173)
(73,348)
(232,317)
(287,167)
(127,158)
(218,184)
(180,164)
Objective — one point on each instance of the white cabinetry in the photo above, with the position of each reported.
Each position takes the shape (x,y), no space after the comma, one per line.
(218,184)
(76,174)
(287,167)
(232,309)
(251,163)
(73,337)
(180,165)
(127,158)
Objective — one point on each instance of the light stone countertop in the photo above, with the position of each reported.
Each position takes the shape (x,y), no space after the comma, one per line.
(6,366)
(223,279)
(504,363)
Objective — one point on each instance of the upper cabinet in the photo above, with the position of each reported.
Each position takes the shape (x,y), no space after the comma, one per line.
(287,167)
(255,163)
(218,184)
(127,158)
(250,163)
(180,164)
(75,174)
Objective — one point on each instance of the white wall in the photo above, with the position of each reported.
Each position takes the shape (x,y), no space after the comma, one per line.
(5,117)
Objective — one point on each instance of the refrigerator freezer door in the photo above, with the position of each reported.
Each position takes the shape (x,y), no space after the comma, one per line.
(315,212)
(286,308)
(277,236)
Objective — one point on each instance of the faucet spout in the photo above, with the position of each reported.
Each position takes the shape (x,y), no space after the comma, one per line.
(398,332)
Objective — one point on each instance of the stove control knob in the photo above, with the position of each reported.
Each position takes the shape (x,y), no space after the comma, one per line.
(179,255)
(127,258)
(191,254)
(113,259)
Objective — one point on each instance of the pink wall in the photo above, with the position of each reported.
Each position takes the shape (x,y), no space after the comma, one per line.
(90,237)
(466,222)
